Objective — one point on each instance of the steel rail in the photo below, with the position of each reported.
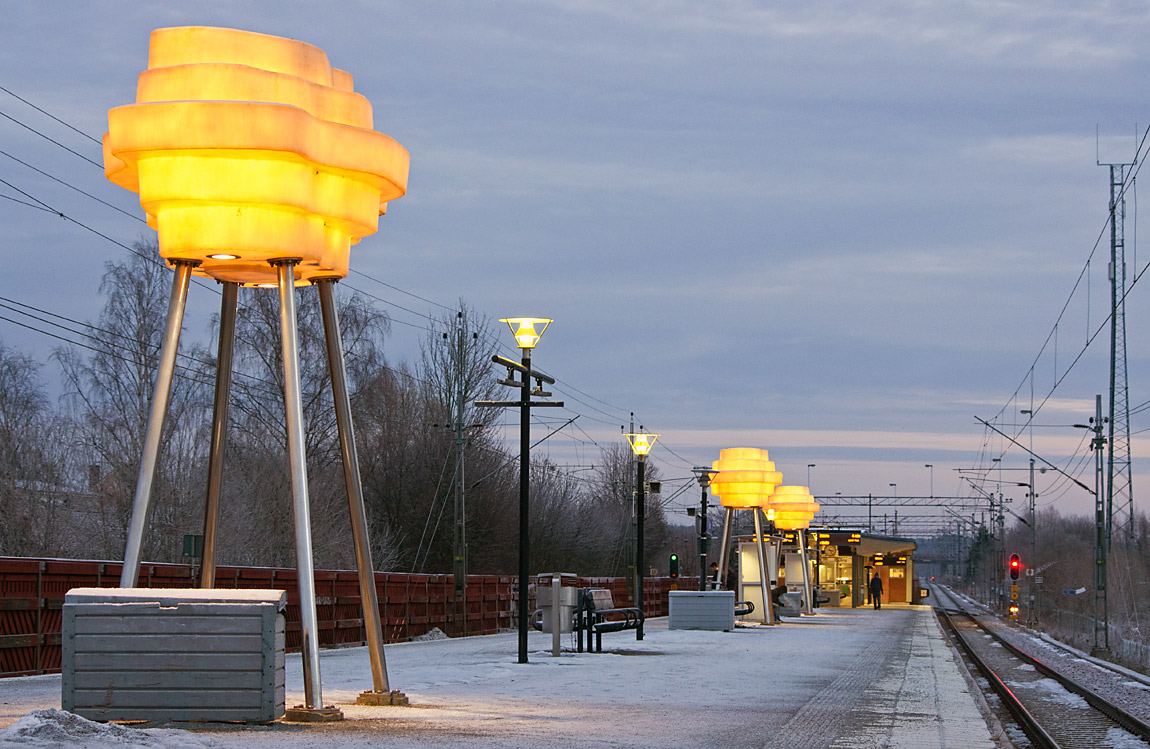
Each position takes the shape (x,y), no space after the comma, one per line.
(1099,703)
(1029,724)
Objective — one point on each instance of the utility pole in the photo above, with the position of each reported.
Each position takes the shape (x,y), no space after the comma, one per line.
(633,494)
(459,552)
(1033,496)
(1101,548)
(1119,478)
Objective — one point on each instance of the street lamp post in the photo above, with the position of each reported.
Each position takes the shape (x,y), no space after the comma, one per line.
(641,444)
(704,477)
(523,328)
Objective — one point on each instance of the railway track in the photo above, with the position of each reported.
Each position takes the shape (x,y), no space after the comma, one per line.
(1048,707)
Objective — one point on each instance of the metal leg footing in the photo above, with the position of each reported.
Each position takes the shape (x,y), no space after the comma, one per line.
(394,697)
(301,714)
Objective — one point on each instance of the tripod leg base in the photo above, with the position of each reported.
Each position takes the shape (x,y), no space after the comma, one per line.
(377,699)
(301,714)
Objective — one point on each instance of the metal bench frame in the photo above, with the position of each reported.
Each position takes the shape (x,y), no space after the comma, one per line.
(591,617)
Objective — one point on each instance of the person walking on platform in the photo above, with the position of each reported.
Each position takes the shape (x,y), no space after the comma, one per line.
(876,591)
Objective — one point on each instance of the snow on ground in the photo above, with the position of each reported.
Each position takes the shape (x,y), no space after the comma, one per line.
(1052,690)
(54,728)
(876,677)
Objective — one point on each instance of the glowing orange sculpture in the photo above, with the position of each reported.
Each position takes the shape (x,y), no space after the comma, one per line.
(794,507)
(746,478)
(247,148)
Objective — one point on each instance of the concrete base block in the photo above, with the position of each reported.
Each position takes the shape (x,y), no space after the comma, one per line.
(394,697)
(301,714)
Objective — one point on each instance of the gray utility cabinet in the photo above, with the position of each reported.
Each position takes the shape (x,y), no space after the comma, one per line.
(173,654)
(701,609)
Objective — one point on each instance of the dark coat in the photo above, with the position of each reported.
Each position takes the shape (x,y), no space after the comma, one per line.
(876,586)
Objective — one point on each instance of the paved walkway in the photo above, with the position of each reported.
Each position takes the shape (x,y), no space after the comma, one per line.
(844,678)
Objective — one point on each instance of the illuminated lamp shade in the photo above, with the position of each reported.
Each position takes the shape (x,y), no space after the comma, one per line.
(641,444)
(246,148)
(794,507)
(523,328)
(745,477)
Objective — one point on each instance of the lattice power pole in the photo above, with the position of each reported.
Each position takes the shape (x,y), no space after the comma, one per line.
(1119,481)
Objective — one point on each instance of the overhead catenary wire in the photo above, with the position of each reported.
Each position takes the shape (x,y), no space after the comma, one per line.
(569,390)
(1128,181)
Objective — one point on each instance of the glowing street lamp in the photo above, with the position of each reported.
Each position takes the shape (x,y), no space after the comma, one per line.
(794,509)
(523,329)
(256,163)
(744,479)
(641,445)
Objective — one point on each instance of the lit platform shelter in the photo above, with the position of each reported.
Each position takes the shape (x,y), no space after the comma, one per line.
(257,164)
(846,558)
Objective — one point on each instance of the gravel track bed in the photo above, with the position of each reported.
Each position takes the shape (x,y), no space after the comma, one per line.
(1131,695)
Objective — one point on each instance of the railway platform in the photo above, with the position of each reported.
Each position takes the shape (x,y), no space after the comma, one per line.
(841,678)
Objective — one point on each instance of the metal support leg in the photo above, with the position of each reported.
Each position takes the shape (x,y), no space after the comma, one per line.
(219,430)
(725,548)
(160,397)
(353,483)
(768,604)
(297,461)
(808,590)
(775,550)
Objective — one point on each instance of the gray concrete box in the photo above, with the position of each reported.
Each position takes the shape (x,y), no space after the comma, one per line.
(701,609)
(173,654)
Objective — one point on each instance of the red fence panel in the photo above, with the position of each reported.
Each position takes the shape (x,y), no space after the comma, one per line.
(32,596)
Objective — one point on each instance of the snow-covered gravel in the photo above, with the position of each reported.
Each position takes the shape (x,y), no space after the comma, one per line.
(1123,690)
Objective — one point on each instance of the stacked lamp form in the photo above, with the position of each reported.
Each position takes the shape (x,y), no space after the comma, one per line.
(794,509)
(257,164)
(744,479)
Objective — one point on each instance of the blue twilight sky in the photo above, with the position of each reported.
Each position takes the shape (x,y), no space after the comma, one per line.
(835,230)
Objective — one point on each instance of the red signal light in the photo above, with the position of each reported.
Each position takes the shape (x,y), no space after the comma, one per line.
(1015,566)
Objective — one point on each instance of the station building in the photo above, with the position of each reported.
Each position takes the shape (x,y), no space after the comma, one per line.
(843,560)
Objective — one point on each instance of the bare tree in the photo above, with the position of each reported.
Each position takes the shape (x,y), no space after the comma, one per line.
(455,365)
(32,466)
(109,394)
(256,523)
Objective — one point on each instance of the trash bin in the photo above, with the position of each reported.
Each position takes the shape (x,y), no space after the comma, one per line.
(567,601)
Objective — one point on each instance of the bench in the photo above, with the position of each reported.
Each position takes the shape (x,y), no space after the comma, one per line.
(591,617)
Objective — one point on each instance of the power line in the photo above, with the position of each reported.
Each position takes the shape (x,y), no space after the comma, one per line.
(567,388)
(49,138)
(51,116)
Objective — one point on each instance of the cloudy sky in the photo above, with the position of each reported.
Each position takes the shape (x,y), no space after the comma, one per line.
(838,231)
